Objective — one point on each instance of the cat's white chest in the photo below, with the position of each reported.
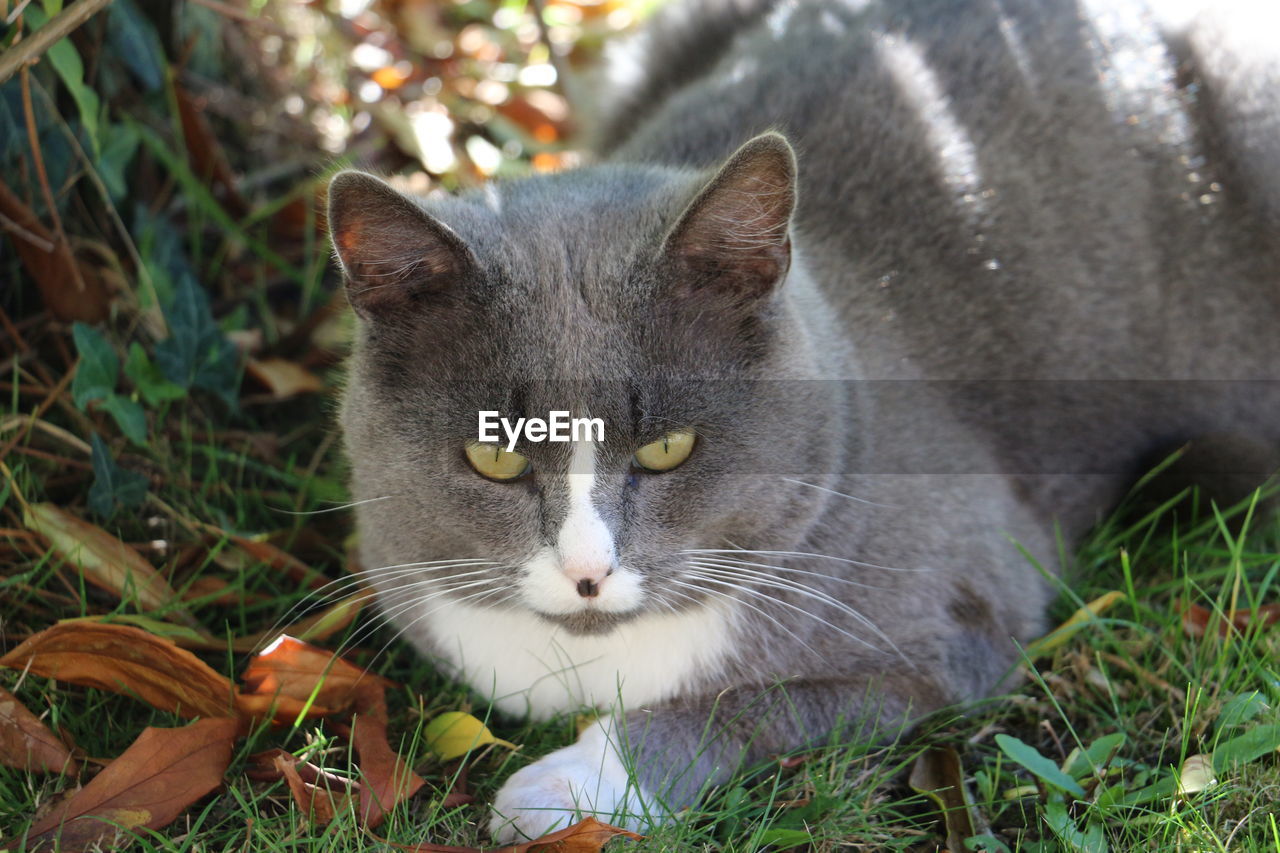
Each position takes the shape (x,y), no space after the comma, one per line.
(530,667)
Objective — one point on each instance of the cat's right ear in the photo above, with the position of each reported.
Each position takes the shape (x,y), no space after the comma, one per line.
(394,254)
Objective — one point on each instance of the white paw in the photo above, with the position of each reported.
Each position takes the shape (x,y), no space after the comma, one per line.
(587,779)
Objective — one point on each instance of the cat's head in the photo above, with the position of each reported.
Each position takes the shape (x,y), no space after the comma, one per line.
(650,298)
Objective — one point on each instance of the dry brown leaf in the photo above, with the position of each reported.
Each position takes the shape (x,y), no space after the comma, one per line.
(387,779)
(318,802)
(123,659)
(939,775)
(587,836)
(291,673)
(281,561)
(27,743)
(53,266)
(283,378)
(103,559)
(154,781)
(1196,619)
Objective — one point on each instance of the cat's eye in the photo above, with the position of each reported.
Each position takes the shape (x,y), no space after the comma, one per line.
(497,463)
(667,452)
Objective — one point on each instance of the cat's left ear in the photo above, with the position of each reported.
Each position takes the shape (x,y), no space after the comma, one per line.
(396,256)
(733,237)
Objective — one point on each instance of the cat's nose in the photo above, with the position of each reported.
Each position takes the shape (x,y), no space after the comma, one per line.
(588,578)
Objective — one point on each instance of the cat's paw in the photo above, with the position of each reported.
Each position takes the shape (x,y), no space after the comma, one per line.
(587,779)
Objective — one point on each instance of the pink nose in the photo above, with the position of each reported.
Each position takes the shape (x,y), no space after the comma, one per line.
(588,577)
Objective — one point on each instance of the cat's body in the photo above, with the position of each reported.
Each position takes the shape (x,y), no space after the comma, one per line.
(986,191)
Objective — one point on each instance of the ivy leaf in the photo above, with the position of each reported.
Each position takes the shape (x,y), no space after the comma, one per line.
(148,379)
(119,145)
(70,68)
(113,487)
(198,355)
(129,417)
(133,39)
(1040,766)
(99,367)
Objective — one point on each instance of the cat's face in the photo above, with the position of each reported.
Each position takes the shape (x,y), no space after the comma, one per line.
(644,298)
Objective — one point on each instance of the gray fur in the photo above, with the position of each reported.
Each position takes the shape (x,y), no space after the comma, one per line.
(987,190)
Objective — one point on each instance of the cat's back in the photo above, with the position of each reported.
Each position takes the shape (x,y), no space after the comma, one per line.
(1059,188)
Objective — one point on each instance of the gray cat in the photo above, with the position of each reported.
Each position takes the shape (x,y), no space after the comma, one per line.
(868,297)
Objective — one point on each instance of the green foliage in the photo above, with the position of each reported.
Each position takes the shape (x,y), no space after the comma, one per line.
(113,488)
(99,369)
(70,68)
(147,378)
(1042,768)
(133,39)
(197,354)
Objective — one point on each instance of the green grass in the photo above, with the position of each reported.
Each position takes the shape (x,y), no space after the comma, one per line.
(273,468)
(1133,671)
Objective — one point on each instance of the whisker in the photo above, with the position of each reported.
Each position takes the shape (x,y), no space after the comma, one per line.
(839,494)
(337,508)
(845,560)
(751,576)
(757,593)
(738,601)
(727,561)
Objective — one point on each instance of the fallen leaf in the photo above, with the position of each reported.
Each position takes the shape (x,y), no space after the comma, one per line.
(387,779)
(27,743)
(453,734)
(284,379)
(297,677)
(103,559)
(1083,616)
(1196,619)
(123,659)
(939,775)
(269,554)
(587,836)
(157,778)
(318,802)
(54,267)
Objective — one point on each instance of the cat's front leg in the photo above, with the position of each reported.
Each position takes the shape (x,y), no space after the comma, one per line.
(589,778)
(659,760)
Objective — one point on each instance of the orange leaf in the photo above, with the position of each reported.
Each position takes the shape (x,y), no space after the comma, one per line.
(387,779)
(291,672)
(587,836)
(284,378)
(27,743)
(319,803)
(123,659)
(154,781)
(1196,619)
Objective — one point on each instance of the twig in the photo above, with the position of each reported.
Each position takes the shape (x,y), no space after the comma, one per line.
(33,138)
(37,43)
(153,318)
(14,228)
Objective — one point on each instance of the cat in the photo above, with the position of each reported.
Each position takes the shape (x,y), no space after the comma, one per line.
(873,300)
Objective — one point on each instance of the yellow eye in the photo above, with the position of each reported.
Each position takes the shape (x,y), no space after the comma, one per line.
(667,452)
(492,461)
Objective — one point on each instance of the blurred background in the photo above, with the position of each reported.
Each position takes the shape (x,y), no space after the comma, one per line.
(162,177)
